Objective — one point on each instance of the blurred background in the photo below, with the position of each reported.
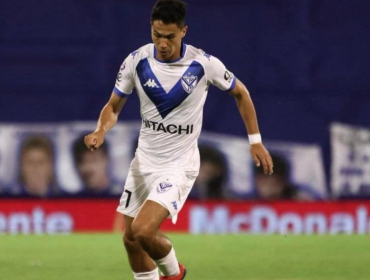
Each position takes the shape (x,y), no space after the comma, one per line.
(306,64)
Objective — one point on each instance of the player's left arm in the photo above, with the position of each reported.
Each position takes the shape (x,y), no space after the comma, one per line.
(248,113)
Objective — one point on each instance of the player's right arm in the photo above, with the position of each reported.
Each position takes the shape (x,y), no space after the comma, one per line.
(107,119)
(109,114)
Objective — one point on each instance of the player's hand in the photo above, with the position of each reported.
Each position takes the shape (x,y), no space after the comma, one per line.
(94,140)
(260,155)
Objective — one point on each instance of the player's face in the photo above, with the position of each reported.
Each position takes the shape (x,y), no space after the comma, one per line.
(167,39)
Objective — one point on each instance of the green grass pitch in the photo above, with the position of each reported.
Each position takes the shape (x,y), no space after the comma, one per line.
(221,257)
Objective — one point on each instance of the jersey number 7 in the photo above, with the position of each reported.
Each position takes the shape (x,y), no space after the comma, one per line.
(128,198)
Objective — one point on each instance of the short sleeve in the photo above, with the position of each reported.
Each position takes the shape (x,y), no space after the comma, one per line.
(125,78)
(219,76)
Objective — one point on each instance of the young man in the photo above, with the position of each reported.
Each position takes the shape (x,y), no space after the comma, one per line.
(171,79)
(93,170)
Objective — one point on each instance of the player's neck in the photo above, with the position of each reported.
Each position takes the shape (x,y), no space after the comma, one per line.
(179,55)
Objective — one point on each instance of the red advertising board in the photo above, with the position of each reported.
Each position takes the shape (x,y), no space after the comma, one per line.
(88,215)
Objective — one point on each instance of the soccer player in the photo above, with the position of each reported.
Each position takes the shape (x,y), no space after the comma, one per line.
(172,80)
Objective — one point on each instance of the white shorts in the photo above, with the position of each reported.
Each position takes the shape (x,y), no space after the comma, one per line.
(168,188)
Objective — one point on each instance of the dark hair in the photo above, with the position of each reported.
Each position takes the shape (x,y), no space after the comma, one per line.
(281,166)
(209,153)
(38,142)
(169,11)
(282,173)
(79,148)
(41,142)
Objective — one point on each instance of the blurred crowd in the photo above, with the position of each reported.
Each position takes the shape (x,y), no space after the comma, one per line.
(37,177)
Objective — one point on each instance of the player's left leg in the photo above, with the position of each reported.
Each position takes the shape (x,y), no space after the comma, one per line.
(145,228)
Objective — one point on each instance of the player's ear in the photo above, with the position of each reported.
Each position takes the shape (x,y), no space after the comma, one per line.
(184,30)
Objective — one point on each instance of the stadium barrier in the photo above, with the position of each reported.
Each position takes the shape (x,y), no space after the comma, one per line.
(63,216)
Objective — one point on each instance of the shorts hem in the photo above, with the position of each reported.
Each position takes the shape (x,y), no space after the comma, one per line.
(163,205)
(123,212)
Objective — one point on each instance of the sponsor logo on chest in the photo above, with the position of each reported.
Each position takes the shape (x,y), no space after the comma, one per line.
(169,128)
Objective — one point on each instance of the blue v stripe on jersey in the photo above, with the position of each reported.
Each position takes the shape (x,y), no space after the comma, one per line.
(165,102)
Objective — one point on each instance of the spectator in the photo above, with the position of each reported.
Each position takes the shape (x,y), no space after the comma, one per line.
(278,186)
(36,172)
(93,170)
(210,183)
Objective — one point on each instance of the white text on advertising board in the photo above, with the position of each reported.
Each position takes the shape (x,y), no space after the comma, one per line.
(265,220)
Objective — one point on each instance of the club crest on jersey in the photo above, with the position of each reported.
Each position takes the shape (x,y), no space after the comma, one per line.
(163,187)
(189,82)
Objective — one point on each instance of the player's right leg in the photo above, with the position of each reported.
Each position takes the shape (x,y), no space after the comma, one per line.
(133,197)
(168,192)
(146,227)
(141,264)
(151,198)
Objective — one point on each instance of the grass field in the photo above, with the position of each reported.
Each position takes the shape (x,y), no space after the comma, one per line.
(239,257)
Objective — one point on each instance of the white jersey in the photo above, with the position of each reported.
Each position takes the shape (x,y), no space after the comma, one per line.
(172,95)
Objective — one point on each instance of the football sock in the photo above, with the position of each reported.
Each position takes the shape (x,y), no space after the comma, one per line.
(169,265)
(150,275)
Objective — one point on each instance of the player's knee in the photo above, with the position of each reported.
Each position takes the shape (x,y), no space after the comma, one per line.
(128,237)
(130,243)
(142,233)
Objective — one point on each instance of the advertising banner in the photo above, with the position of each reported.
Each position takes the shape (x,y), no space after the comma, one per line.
(63,216)
(350,168)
